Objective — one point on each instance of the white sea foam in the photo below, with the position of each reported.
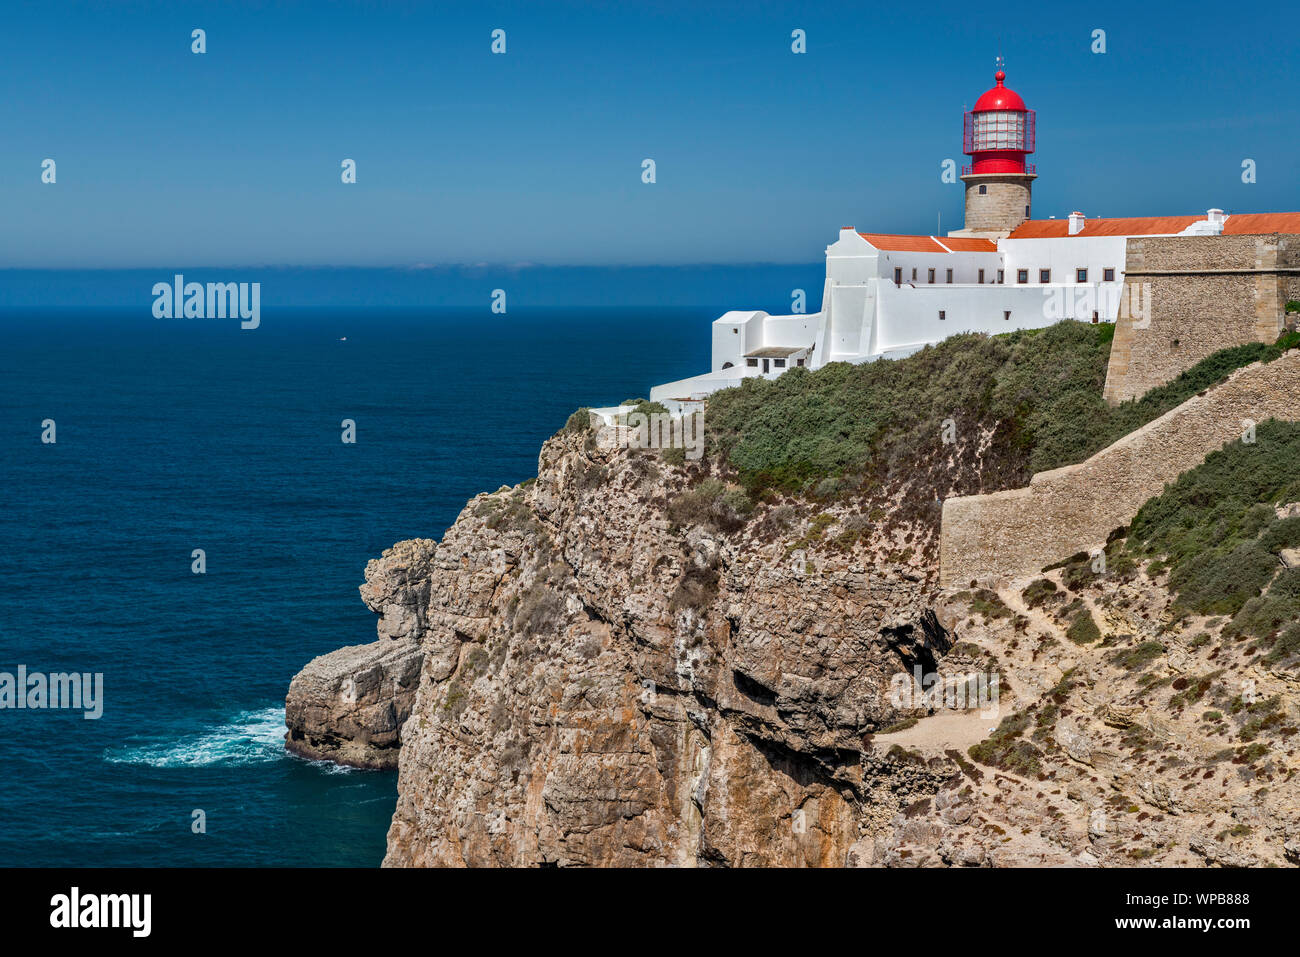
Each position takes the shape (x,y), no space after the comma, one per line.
(249,737)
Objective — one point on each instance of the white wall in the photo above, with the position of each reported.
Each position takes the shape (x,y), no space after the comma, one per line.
(734,334)
(850,258)
(910,315)
(1064,256)
(965,266)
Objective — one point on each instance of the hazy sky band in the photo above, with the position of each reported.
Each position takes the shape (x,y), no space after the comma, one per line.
(233,157)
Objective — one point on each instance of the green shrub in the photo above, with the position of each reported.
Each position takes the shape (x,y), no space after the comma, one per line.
(1040,391)
(712,504)
(1083,630)
(1005,749)
(1139,656)
(1218,532)
(580,421)
(1038,591)
(644,406)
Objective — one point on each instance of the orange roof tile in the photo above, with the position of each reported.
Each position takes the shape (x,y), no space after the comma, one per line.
(908,244)
(1237,224)
(968,244)
(1131,226)
(929,244)
(1241,224)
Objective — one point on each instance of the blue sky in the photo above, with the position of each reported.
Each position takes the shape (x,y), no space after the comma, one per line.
(167,158)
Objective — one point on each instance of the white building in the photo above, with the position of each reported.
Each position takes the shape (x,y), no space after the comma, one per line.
(889,295)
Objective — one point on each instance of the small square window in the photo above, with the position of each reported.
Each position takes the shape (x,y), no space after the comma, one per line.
(1044,275)
(1081,275)
(798,362)
(752,363)
(779,363)
(942,315)
(931,276)
(1022,275)
(735,331)
(1108,274)
(950,275)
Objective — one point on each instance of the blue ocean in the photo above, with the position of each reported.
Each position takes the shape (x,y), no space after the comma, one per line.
(176,435)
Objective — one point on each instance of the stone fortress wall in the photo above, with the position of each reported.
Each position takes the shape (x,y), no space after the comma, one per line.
(1006,535)
(1188,296)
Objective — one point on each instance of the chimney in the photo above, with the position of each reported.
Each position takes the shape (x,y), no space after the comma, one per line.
(1215,216)
(1077,220)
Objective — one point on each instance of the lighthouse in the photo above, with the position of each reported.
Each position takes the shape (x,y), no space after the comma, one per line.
(998,135)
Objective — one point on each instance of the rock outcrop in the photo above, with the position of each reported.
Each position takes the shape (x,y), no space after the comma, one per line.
(349,705)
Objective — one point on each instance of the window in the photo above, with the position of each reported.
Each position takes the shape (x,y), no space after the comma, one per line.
(779,363)
(798,362)
(913,274)
(1022,275)
(1096,316)
(999,277)
(983,189)
(1026,212)
(981,275)
(931,277)
(752,363)
(1081,275)
(1007,314)
(735,330)
(942,315)
(898,275)
(1000,130)
(1108,274)
(950,275)
(1044,275)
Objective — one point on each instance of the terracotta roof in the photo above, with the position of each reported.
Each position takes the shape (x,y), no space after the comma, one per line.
(1131,226)
(1237,224)
(1241,224)
(929,244)
(969,244)
(908,244)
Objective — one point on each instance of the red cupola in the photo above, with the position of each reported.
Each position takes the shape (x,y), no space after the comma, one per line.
(999,132)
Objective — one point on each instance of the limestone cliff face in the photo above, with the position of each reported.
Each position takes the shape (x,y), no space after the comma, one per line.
(606,667)
(603,686)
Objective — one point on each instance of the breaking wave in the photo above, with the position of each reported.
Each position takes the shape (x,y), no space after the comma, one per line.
(250,737)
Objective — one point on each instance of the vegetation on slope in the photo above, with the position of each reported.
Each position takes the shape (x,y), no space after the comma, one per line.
(1038,392)
(1218,530)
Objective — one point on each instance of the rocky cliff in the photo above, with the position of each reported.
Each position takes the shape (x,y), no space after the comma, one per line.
(619,664)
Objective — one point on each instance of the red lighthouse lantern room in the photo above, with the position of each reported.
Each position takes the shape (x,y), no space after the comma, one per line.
(999,132)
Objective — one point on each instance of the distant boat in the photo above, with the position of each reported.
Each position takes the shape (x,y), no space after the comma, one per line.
(343,338)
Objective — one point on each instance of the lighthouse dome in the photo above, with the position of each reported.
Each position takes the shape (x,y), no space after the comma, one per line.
(999,98)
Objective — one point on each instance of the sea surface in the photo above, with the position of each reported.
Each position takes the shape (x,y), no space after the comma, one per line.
(175,435)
